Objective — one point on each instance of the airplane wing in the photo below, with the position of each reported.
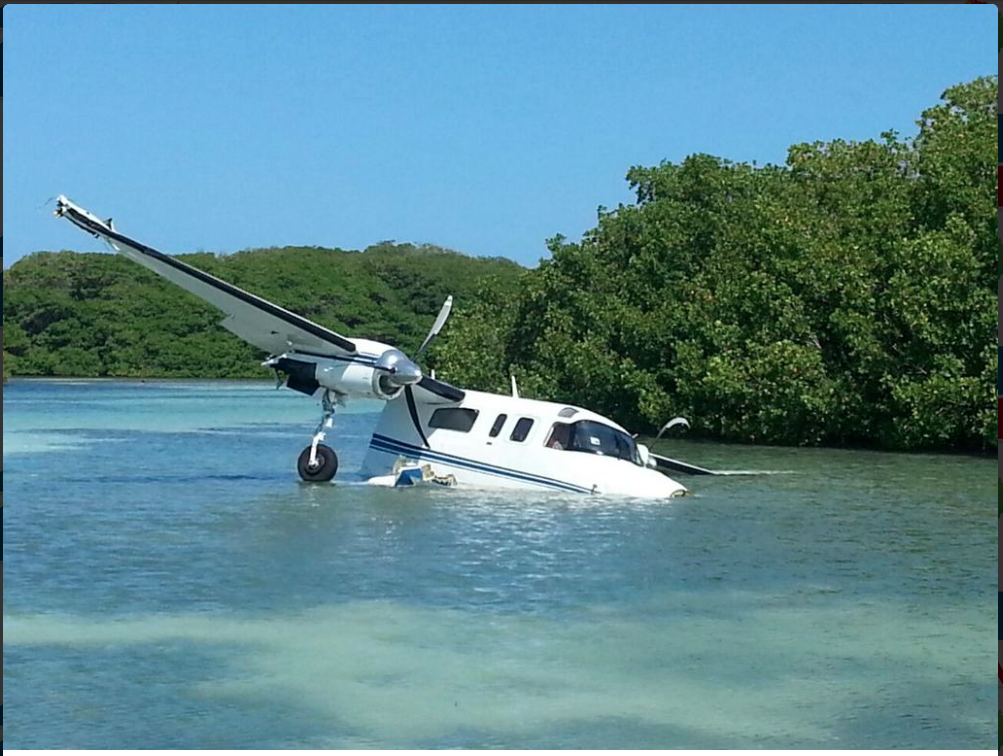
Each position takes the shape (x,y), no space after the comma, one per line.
(667,464)
(674,465)
(255,320)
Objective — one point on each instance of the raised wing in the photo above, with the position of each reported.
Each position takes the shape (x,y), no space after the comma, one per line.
(255,320)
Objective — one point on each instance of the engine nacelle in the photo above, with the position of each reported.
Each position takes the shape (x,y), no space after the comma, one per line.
(383,380)
(354,379)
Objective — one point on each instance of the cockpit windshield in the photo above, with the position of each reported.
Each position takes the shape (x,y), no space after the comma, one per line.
(594,438)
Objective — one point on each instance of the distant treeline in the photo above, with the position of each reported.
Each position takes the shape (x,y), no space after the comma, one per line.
(101,315)
(843,298)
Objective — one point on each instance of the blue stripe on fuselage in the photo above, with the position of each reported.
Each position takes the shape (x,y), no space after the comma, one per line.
(391,445)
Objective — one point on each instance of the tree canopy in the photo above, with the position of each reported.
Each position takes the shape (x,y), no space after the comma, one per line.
(842,298)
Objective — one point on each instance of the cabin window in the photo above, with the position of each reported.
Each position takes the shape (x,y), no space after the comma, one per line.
(497,427)
(522,429)
(454,419)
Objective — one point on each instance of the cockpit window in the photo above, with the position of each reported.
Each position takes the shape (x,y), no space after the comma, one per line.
(560,436)
(593,438)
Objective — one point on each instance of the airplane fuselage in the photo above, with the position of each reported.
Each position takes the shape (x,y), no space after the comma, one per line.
(484,440)
(496,441)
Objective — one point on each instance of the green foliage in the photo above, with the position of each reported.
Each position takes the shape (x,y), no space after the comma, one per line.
(480,332)
(844,298)
(69,314)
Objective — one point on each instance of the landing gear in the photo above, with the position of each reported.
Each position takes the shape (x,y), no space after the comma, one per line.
(322,469)
(318,463)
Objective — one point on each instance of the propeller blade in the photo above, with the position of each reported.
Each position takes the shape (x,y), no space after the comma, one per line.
(439,388)
(412,409)
(440,321)
(672,424)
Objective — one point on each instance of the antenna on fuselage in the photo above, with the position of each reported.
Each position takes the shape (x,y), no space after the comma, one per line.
(515,388)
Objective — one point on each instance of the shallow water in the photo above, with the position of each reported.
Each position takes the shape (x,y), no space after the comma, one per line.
(170,584)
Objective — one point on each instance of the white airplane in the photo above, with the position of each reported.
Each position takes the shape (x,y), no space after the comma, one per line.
(428,430)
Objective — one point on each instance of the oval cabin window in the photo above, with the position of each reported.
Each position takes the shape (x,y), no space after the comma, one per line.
(497,427)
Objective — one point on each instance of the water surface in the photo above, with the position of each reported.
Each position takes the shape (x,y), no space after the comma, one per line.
(170,584)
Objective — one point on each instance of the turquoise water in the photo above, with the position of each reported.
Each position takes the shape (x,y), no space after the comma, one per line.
(170,584)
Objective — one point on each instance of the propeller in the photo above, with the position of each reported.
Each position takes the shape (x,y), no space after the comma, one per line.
(667,464)
(401,369)
(407,372)
(663,464)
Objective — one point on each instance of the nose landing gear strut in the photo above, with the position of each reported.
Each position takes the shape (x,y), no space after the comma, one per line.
(318,463)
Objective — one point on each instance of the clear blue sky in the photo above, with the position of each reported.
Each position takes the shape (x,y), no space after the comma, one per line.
(484,129)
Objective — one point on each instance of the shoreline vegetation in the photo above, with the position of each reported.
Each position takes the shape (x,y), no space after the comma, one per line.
(842,299)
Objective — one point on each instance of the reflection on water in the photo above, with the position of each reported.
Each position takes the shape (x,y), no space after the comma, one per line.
(171,584)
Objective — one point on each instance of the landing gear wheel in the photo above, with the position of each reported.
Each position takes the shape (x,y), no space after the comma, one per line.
(323,470)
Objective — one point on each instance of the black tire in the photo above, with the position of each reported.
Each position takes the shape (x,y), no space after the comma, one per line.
(326,468)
